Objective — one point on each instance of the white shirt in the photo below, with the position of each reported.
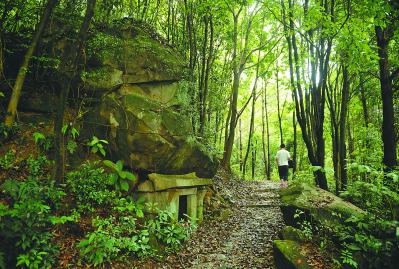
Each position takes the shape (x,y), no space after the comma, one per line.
(282,157)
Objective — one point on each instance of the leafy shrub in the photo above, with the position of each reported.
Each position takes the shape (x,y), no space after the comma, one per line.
(89,185)
(168,231)
(70,133)
(125,234)
(374,191)
(120,178)
(37,166)
(7,161)
(116,237)
(374,239)
(42,142)
(97,145)
(26,221)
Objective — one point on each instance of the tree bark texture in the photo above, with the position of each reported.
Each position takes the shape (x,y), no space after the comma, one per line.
(71,69)
(388,118)
(19,81)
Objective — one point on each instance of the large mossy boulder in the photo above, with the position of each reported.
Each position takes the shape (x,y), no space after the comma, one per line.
(131,54)
(319,204)
(138,80)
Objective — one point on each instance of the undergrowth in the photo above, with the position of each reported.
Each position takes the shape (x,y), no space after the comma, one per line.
(34,212)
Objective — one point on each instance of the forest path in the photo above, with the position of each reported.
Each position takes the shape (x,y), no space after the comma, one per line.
(242,239)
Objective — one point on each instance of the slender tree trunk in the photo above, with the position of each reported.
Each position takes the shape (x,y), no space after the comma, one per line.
(201,80)
(70,66)
(19,82)
(232,125)
(263,132)
(388,118)
(240,144)
(363,99)
(279,114)
(268,169)
(226,128)
(253,155)
(351,142)
(228,149)
(309,103)
(251,131)
(295,144)
(252,123)
(206,78)
(342,122)
(216,126)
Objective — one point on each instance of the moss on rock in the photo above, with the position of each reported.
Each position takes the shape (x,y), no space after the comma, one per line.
(294,234)
(321,205)
(290,255)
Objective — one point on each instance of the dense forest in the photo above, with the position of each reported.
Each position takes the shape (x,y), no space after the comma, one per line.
(117,115)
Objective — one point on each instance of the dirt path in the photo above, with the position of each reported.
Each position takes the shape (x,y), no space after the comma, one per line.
(242,238)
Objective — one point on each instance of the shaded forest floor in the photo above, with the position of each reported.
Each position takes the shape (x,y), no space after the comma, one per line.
(236,236)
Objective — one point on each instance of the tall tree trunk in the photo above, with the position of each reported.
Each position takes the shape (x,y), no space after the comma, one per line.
(226,128)
(309,103)
(279,114)
(363,99)
(202,76)
(228,149)
(72,70)
(265,160)
(342,122)
(216,126)
(206,78)
(19,82)
(252,125)
(268,170)
(253,155)
(295,144)
(232,124)
(240,144)
(388,118)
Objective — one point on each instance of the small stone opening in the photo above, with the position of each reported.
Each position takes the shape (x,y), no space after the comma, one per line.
(183,208)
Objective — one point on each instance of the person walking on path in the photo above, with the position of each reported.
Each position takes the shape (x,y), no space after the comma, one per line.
(282,158)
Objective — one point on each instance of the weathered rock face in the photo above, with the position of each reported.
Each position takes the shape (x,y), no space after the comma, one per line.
(130,54)
(137,115)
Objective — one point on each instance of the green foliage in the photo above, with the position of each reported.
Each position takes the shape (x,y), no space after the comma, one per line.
(304,224)
(124,233)
(374,190)
(119,177)
(71,134)
(32,259)
(373,238)
(42,142)
(89,184)
(116,237)
(6,132)
(71,146)
(97,145)
(168,231)
(26,221)
(7,161)
(346,257)
(37,166)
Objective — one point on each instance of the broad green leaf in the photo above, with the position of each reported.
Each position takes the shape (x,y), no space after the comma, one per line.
(124,185)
